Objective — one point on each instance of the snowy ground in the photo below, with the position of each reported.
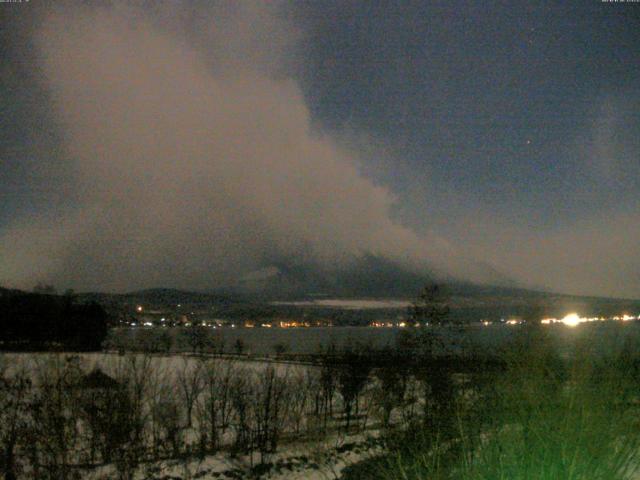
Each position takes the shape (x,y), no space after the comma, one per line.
(322,460)
(109,363)
(301,458)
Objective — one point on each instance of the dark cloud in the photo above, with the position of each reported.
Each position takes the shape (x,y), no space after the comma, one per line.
(190,143)
(192,166)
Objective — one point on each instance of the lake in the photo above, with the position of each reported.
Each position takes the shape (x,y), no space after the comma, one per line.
(603,336)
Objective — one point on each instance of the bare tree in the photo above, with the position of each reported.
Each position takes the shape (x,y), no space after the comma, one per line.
(241,392)
(315,418)
(197,338)
(271,397)
(367,403)
(218,343)
(15,391)
(170,421)
(432,309)
(161,341)
(239,346)
(190,384)
(353,374)
(110,422)
(52,431)
(280,349)
(160,385)
(328,386)
(214,409)
(229,373)
(392,375)
(299,398)
(135,373)
(432,305)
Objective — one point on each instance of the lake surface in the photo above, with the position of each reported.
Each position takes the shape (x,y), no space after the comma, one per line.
(604,337)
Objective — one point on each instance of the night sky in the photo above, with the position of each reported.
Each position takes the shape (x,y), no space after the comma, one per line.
(186,144)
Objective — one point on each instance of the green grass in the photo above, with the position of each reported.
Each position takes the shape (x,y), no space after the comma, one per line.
(545,418)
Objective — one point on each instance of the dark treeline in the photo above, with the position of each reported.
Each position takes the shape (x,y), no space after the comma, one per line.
(35,321)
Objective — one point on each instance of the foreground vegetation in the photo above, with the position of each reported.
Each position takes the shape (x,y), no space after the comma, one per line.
(545,417)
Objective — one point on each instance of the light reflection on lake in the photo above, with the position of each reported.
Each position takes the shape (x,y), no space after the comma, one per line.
(604,336)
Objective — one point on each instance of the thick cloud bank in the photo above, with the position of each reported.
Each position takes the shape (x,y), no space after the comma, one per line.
(194,157)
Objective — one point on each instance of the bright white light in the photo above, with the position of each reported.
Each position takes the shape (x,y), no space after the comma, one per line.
(571,320)
(574,319)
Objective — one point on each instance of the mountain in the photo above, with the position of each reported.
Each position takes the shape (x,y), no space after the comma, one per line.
(375,277)
(157,296)
(370,278)
(367,276)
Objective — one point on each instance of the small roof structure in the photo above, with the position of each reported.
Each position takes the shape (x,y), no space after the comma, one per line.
(97,379)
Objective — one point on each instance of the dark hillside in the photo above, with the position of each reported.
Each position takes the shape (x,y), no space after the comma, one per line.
(32,321)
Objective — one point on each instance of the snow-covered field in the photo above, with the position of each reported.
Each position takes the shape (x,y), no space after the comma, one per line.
(176,397)
(319,460)
(167,366)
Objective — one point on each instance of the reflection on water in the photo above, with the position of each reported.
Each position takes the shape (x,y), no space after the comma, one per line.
(262,341)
